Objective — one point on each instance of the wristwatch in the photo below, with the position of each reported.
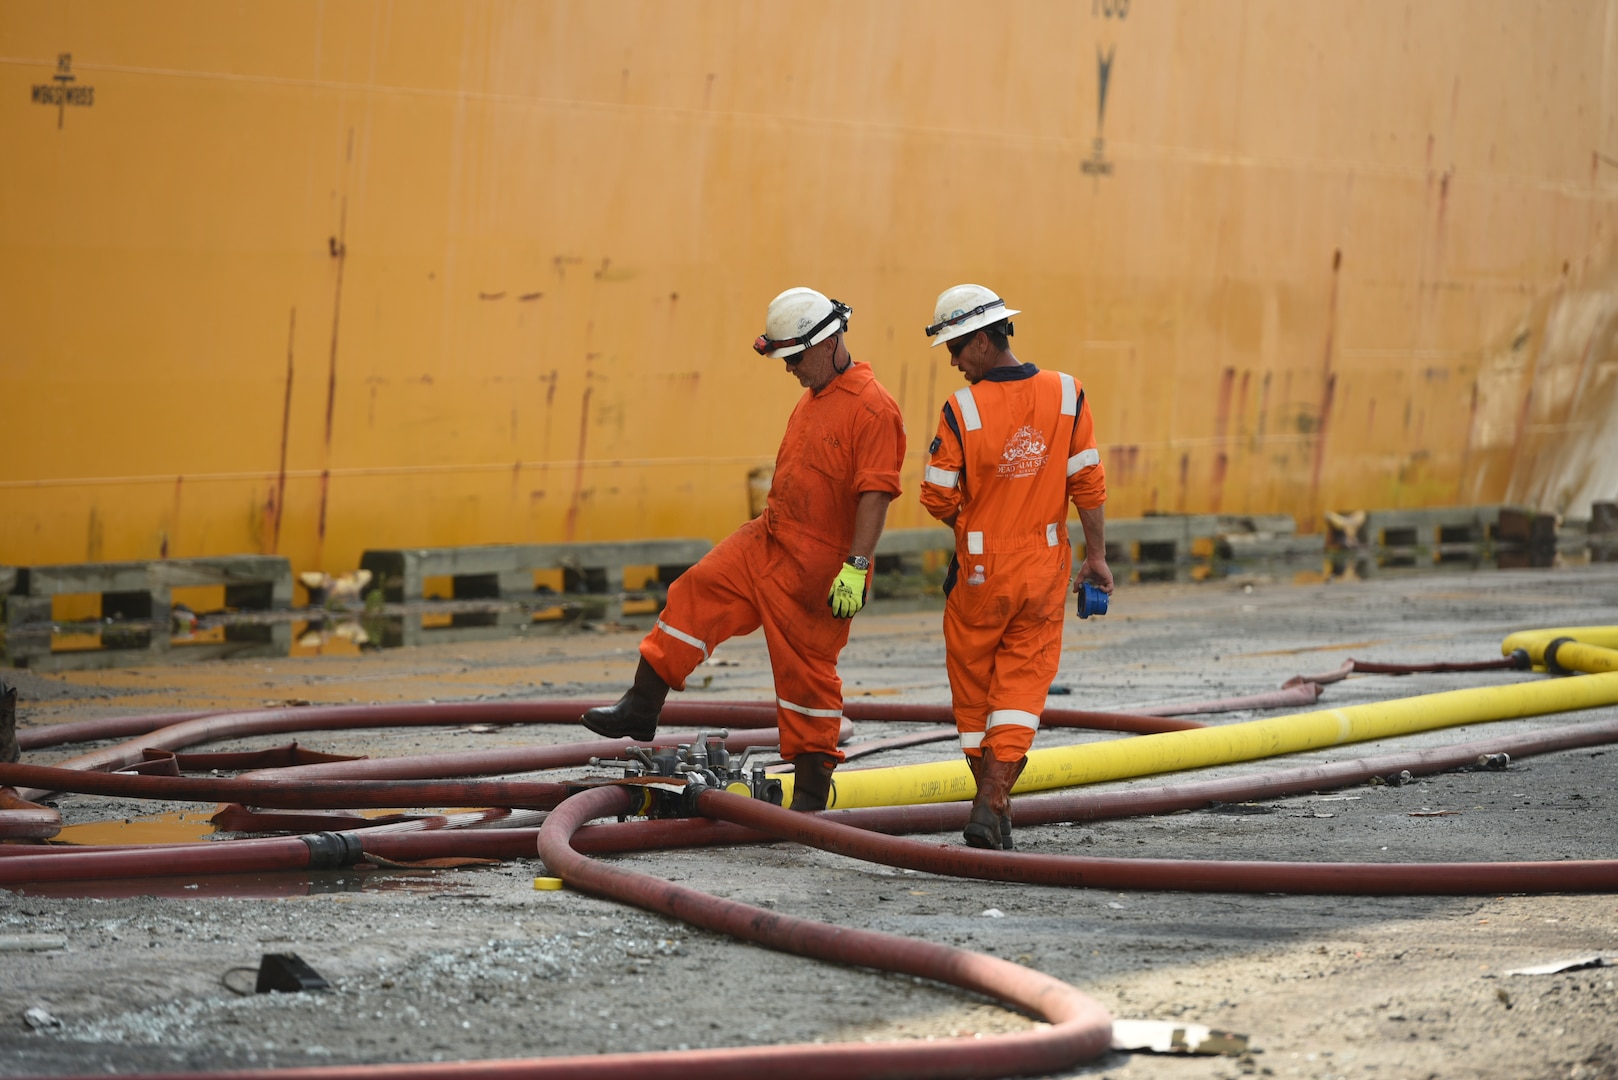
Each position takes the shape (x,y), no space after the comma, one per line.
(858,562)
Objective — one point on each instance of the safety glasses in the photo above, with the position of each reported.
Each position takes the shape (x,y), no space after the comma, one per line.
(955,345)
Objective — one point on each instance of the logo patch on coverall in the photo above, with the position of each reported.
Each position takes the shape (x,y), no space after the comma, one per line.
(1025,453)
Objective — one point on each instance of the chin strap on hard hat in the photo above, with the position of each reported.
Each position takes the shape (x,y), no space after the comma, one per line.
(964,315)
(764,344)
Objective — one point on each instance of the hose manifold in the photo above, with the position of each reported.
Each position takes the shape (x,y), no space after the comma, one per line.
(328,850)
(673,777)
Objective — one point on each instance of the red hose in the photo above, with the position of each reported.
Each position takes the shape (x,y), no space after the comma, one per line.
(308,795)
(169,860)
(112,727)
(515,843)
(24,820)
(1175,875)
(1287,697)
(729,714)
(1083,805)
(1079,1027)
(214,726)
(508,759)
(911,712)
(1517,661)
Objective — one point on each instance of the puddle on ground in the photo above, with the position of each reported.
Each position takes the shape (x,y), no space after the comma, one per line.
(179,827)
(174,827)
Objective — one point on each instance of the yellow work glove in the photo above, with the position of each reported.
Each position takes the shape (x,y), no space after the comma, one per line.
(847,594)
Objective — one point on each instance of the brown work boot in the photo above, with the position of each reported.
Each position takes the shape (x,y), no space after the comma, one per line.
(635,715)
(1005,818)
(811,780)
(8,724)
(992,804)
(975,763)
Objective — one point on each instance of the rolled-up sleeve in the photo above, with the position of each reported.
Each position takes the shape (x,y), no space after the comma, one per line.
(1086,475)
(879,449)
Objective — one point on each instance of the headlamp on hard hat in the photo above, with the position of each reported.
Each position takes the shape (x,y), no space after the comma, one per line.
(764,344)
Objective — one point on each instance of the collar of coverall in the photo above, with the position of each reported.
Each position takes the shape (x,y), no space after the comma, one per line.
(1010,374)
(861,373)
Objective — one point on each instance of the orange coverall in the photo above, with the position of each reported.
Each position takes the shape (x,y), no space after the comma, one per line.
(775,571)
(1011,450)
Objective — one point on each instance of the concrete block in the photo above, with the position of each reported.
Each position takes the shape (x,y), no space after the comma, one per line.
(1438,531)
(1604,519)
(506,571)
(1161,538)
(1603,532)
(141,593)
(1573,536)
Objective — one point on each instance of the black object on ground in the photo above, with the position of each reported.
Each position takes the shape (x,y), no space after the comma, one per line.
(287,973)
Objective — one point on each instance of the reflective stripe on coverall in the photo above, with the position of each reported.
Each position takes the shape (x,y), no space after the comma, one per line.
(774,571)
(1011,450)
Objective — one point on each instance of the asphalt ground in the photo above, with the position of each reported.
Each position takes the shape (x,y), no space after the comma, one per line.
(474,963)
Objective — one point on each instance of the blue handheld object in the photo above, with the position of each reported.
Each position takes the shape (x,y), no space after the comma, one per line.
(1092,601)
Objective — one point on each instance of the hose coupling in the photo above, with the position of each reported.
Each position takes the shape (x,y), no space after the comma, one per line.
(332,849)
(1550,656)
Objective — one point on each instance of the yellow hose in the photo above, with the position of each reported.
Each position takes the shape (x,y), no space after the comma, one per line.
(1119,759)
(1534,641)
(1588,659)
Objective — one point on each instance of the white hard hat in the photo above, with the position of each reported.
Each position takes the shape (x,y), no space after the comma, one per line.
(965,308)
(798,319)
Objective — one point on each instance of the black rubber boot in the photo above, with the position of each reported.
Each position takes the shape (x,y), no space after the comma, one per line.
(992,804)
(8,723)
(635,714)
(811,781)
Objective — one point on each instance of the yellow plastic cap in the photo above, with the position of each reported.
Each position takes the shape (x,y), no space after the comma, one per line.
(547,884)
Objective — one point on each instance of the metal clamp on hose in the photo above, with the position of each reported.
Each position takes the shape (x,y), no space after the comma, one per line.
(1550,656)
(331,849)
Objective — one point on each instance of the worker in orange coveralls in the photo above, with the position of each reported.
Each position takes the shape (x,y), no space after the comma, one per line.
(1013,446)
(800,569)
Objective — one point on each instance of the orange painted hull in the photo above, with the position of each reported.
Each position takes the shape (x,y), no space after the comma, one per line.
(309,279)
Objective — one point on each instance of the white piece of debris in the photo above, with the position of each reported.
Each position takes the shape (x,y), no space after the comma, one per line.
(1167,1037)
(37,1018)
(994,913)
(31,942)
(1560,966)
